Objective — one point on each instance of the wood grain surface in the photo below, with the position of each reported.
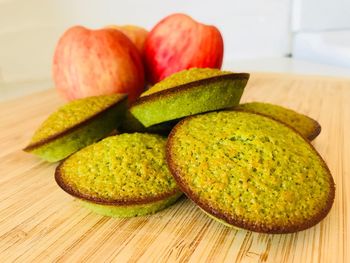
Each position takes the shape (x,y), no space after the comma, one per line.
(41,223)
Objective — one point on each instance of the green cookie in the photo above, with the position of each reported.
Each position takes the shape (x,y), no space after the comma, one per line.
(76,125)
(250,171)
(189,92)
(307,126)
(121,176)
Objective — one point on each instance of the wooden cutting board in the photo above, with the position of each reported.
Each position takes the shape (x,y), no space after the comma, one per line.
(41,223)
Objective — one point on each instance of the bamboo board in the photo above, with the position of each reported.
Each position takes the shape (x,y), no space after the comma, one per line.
(41,223)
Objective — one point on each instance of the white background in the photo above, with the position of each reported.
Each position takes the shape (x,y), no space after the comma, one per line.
(29,29)
(252,29)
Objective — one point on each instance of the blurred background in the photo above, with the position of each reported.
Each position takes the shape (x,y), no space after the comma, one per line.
(297,36)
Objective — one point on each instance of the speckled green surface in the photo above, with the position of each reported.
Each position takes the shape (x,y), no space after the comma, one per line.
(183,77)
(303,124)
(62,146)
(250,167)
(221,94)
(73,113)
(132,210)
(122,168)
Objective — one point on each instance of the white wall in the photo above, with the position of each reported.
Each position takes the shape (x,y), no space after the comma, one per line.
(321,31)
(29,29)
(319,15)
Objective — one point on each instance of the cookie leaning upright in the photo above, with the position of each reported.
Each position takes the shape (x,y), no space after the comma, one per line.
(250,171)
(189,92)
(76,125)
(307,126)
(121,176)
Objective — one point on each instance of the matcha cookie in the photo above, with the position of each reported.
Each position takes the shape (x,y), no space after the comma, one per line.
(189,92)
(76,125)
(121,176)
(250,171)
(307,126)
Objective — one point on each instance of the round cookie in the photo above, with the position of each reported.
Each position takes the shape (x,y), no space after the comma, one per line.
(189,92)
(76,125)
(250,171)
(121,176)
(307,126)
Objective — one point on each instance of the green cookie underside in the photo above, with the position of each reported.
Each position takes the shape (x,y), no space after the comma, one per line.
(131,124)
(68,142)
(132,210)
(220,220)
(179,102)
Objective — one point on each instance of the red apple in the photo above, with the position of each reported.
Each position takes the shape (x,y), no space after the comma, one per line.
(136,34)
(178,42)
(97,62)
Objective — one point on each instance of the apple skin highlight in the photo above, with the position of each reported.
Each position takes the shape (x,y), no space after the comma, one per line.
(178,42)
(97,62)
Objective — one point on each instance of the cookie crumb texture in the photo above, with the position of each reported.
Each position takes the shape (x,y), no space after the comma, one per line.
(187,93)
(307,126)
(250,171)
(184,77)
(72,114)
(120,168)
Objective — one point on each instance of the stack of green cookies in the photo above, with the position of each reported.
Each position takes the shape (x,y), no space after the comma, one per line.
(246,165)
